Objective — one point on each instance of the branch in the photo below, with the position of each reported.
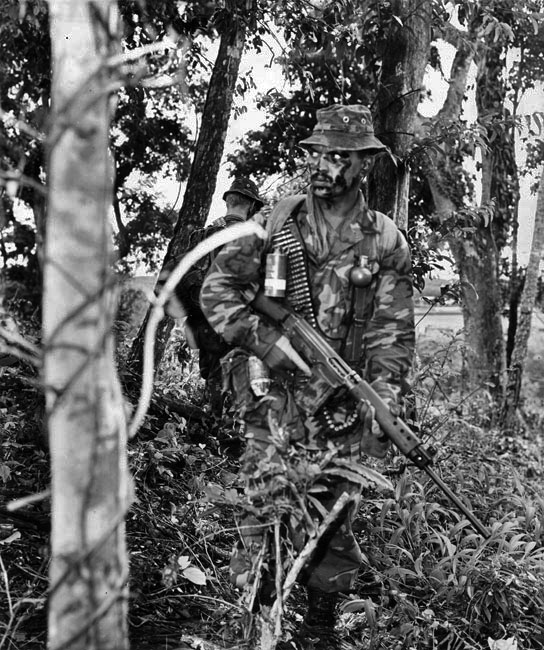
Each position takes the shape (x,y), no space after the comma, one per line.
(81,100)
(22,502)
(124,247)
(23,126)
(19,178)
(10,352)
(16,339)
(126,57)
(311,545)
(271,627)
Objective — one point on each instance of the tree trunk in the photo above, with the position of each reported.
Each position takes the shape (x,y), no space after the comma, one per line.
(404,62)
(516,280)
(526,307)
(39,210)
(476,254)
(477,263)
(205,167)
(85,415)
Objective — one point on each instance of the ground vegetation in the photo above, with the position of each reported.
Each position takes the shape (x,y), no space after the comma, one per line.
(428,580)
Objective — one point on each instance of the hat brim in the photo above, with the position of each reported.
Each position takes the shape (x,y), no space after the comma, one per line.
(344,141)
(248,195)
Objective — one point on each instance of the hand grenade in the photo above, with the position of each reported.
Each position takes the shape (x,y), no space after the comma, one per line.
(360,275)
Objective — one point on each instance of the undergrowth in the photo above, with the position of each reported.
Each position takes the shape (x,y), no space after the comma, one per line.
(428,580)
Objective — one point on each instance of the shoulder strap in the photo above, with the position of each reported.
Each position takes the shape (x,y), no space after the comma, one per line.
(364,296)
(287,207)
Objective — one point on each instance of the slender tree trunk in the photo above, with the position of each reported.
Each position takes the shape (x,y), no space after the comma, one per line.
(39,210)
(205,167)
(124,239)
(500,182)
(516,282)
(526,307)
(482,307)
(514,289)
(85,415)
(404,63)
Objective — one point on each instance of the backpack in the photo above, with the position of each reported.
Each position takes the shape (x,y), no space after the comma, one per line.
(199,333)
(188,288)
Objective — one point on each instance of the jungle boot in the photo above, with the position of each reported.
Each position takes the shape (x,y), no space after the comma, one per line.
(317,631)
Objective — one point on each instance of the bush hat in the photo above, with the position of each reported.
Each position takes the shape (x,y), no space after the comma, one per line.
(244,186)
(344,127)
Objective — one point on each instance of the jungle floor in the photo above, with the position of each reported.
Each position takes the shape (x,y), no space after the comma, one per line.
(180,542)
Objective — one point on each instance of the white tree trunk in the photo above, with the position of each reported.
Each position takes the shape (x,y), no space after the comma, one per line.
(86,422)
(525,312)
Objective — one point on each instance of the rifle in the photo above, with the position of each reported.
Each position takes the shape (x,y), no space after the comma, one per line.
(331,373)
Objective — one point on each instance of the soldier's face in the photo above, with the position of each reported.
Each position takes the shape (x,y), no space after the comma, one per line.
(334,173)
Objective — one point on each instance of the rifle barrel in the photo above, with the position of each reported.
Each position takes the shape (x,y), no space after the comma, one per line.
(478,525)
(340,373)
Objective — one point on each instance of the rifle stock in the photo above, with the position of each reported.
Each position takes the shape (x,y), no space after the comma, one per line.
(330,372)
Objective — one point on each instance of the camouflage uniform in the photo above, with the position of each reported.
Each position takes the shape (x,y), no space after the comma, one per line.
(212,347)
(385,357)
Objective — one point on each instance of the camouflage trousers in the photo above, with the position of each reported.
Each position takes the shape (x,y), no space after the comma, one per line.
(276,432)
(334,565)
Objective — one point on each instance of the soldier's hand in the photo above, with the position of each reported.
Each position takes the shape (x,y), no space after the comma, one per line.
(282,356)
(374,442)
(367,414)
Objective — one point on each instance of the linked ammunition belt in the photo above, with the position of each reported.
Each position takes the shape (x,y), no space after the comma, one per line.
(300,299)
(298,282)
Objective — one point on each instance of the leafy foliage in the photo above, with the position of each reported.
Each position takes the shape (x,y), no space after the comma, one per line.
(328,60)
(428,581)
(150,138)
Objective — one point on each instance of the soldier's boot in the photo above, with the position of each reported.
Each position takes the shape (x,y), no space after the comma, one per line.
(317,631)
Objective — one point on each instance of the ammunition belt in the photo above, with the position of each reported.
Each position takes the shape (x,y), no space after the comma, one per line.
(298,282)
(300,299)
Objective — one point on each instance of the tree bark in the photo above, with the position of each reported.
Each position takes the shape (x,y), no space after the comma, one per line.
(85,415)
(475,255)
(124,240)
(526,307)
(404,62)
(205,167)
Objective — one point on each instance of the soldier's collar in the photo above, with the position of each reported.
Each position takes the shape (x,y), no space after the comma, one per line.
(363,215)
(366,217)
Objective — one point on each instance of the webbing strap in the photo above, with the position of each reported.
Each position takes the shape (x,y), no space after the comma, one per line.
(362,303)
(361,298)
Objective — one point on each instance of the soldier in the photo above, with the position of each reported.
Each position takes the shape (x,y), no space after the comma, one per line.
(243,201)
(353,265)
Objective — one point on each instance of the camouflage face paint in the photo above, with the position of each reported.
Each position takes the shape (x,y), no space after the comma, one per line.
(333,173)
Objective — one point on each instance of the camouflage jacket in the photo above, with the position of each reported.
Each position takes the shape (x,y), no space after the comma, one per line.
(188,289)
(237,274)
